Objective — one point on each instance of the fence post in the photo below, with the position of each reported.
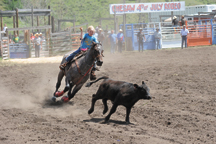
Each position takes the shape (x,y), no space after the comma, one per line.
(1,44)
(29,42)
(17,21)
(32,16)
(132,30)
(161,42)
(53,24)
(14,24)
(50,43)
(212,31)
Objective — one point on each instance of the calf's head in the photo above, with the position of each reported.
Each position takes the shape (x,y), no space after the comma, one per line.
(143,91)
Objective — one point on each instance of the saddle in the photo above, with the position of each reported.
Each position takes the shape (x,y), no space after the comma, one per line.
(79,55)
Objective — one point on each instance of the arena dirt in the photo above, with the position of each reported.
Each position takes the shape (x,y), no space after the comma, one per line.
(182,111)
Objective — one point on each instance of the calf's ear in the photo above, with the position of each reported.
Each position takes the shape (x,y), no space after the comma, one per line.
(143,82)
(136,86)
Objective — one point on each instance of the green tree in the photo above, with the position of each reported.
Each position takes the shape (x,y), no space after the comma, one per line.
(12,4)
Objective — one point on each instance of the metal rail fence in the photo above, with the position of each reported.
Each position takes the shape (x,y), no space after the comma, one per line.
(171,37)
(131,35)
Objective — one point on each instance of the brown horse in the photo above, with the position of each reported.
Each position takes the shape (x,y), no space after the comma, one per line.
(78,72)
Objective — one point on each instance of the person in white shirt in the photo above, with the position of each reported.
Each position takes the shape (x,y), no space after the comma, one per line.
(4,28)
(157,36)
(184,33)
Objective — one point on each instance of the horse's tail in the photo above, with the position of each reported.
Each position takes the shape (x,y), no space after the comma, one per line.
(90,83)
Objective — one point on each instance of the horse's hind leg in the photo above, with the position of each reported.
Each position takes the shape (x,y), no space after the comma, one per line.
(71,95)
(66,98)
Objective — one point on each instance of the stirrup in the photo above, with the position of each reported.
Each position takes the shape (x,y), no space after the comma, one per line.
(62,66)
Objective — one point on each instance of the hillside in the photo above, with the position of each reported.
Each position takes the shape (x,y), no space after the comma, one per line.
(81,10)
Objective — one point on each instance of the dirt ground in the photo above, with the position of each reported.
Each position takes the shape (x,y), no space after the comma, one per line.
(183,109)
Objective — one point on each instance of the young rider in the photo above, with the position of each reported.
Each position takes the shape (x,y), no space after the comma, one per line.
(86,43)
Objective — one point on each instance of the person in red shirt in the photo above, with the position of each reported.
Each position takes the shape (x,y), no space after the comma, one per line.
(32,37)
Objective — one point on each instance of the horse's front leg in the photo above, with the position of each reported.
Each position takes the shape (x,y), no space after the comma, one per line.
(71,95)
(60,93)
(58,84)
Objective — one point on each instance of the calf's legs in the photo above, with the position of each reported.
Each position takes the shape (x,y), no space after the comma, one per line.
(105,105)
(92,104)
(113,109)
(128,110)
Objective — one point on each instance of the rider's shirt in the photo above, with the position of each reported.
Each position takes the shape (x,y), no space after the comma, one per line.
(87,41)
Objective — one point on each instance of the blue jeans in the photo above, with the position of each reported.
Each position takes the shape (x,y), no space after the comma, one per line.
(37,50)
(157,43)
(71,56)
(184,39)
(141,45)
(113,46)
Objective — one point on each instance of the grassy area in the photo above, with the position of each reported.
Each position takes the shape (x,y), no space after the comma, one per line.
(83,11)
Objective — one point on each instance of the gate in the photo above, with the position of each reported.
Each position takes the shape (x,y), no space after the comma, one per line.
(61,42)
(199,35)
(200,32)
(213,33)
(170,36)
(148,30)
(4,47)
(19,50)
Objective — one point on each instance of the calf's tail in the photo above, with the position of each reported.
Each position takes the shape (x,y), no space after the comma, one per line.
(90,83)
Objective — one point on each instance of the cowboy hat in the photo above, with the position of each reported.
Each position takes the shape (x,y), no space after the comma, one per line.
(36,34)
(120,30)
(100,29)
(174,17)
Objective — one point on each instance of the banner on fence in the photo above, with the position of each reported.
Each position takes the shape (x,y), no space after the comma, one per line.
(147,7)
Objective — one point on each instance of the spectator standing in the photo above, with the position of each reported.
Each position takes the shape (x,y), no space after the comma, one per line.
(112,38)
(175,22)
(4,28)
(37,45)
(32,37)
(120,37)
(16,39)
(96,35)
(140,37)
(101,36)
(184,33)
(182,20)
(157,36)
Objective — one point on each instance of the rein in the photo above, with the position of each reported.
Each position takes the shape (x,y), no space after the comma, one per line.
(81,74)
(86,72)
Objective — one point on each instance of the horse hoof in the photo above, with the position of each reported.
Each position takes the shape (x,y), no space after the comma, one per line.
(54,99)
(59,93)
(65,99)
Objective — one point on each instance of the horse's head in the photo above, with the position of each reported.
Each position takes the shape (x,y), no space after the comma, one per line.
(98,53)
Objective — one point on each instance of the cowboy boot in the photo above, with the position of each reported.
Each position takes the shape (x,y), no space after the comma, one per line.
(62,66)
(93,76)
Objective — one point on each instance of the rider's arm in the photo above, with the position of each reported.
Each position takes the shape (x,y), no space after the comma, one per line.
(81,29)
(95,39)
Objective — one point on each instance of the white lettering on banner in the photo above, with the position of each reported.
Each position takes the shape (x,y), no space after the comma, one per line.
(147,7)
